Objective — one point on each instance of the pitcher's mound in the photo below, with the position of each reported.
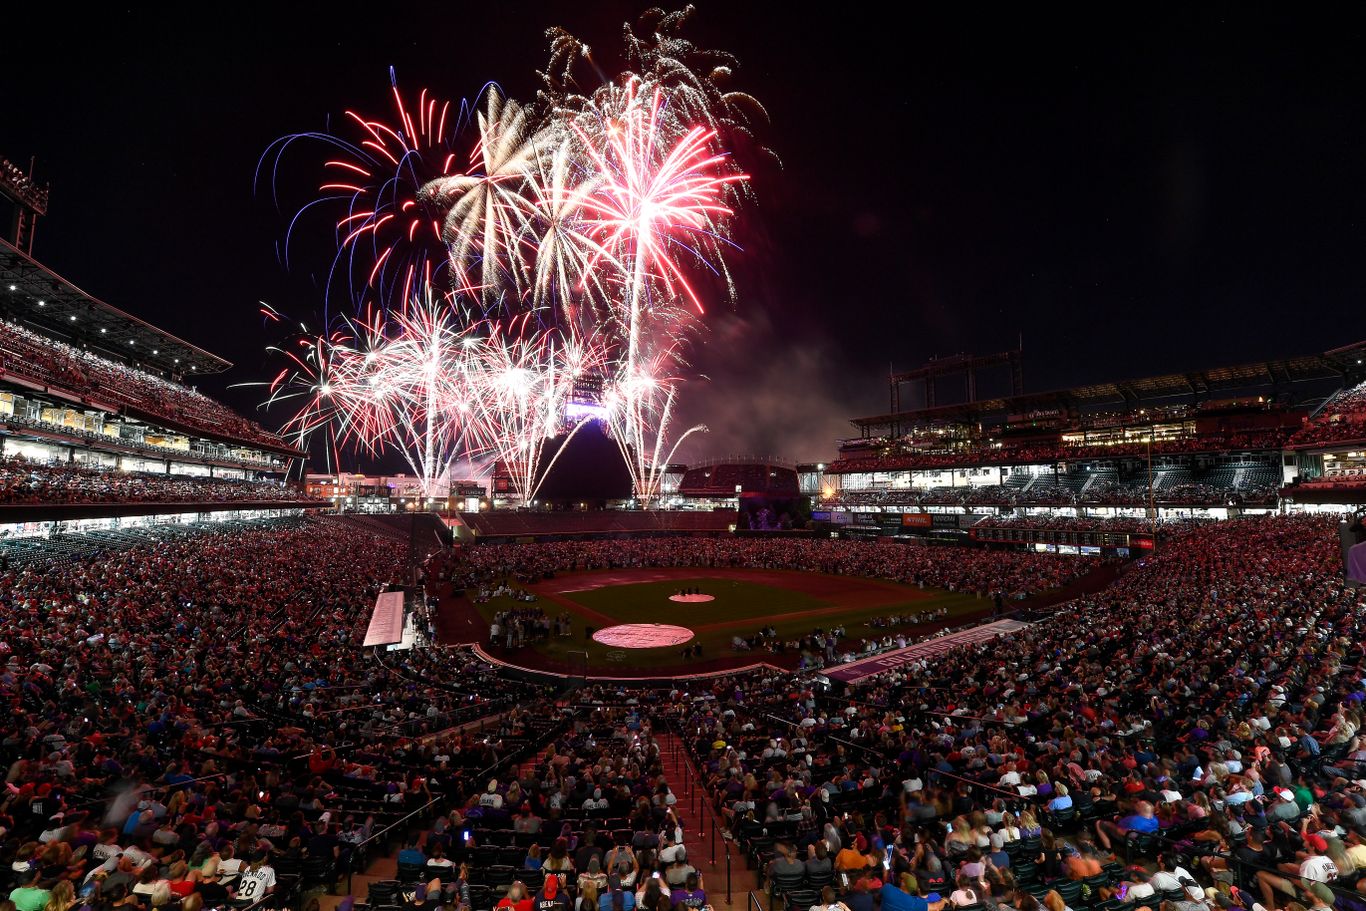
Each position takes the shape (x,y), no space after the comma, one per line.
(692,599)
(642,635)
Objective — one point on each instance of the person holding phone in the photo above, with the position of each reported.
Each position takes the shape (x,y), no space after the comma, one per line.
(653,895)
(818,863)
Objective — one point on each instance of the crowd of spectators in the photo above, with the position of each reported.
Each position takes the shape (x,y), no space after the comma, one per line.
(1341,419)
(954,569)
(1084,523)
(518,627)
(196,716)
(193,712)
(1335,478)
(220,453)
(1102,492)
(591,824)
(37,357)
(989,452)
(1201,715)
(26,481)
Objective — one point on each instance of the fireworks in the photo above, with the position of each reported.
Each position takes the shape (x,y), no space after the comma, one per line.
(522,253)
(659,200)
(485,207)
(387,241)
(525,385)
(399,387)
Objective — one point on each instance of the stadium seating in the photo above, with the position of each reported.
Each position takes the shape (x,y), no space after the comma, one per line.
(216,671)
(503,523)
(955,569)
(36,357)
(1341,419)
(986,453)
(721,479)
(28,482)
(1254,483)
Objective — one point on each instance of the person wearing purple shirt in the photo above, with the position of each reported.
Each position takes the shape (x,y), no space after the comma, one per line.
(692,896)
(1356,563)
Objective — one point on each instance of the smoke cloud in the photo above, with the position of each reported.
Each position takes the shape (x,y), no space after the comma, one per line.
(761,392)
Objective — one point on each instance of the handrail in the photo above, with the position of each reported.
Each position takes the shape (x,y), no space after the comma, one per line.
(513,756)
(401,821)
(754,904)
(156,790)
(979,784)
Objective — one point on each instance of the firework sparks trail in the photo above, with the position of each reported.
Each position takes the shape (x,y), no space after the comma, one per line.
(387,241)
(639,408)
(375,387)
(486,207)
(570,237)
(527,378)
(657,200)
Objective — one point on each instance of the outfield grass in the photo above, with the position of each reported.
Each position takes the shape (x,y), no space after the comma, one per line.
(743,607)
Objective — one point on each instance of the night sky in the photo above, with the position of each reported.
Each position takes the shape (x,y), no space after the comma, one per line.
(1131,194)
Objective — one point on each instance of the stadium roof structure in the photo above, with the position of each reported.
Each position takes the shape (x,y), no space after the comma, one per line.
(1278,375)
(32,293)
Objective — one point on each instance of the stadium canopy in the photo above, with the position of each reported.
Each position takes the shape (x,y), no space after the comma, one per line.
(32,294)
(1278,375)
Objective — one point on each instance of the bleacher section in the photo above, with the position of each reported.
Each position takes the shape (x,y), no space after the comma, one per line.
(720,480)
(25,482)
(1341,419)
(428,530)
(593,522)
(68,372)
(1244,481)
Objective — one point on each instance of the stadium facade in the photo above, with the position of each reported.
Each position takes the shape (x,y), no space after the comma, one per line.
(101,427)
(1286,434)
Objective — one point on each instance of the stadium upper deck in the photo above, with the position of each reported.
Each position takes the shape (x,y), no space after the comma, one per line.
(1288,381)
(63,349)
(96,421)
(1250,407)
(1228,436)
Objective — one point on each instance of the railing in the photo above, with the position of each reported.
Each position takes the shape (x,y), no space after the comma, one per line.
(775,461)
(157,790)
(360,853)
(697,801)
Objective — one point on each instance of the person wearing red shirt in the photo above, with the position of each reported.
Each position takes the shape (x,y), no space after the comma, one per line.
(516,898)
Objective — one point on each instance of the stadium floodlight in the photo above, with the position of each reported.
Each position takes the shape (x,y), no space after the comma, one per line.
(72,317)
(14,287)
(42,303)
(103,330)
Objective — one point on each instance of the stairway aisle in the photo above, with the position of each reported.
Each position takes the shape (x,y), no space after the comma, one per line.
(696,811)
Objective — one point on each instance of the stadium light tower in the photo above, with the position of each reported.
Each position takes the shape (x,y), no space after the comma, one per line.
(29,199)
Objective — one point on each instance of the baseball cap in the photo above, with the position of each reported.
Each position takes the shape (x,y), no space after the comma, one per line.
(1317,842)
(1285,794)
